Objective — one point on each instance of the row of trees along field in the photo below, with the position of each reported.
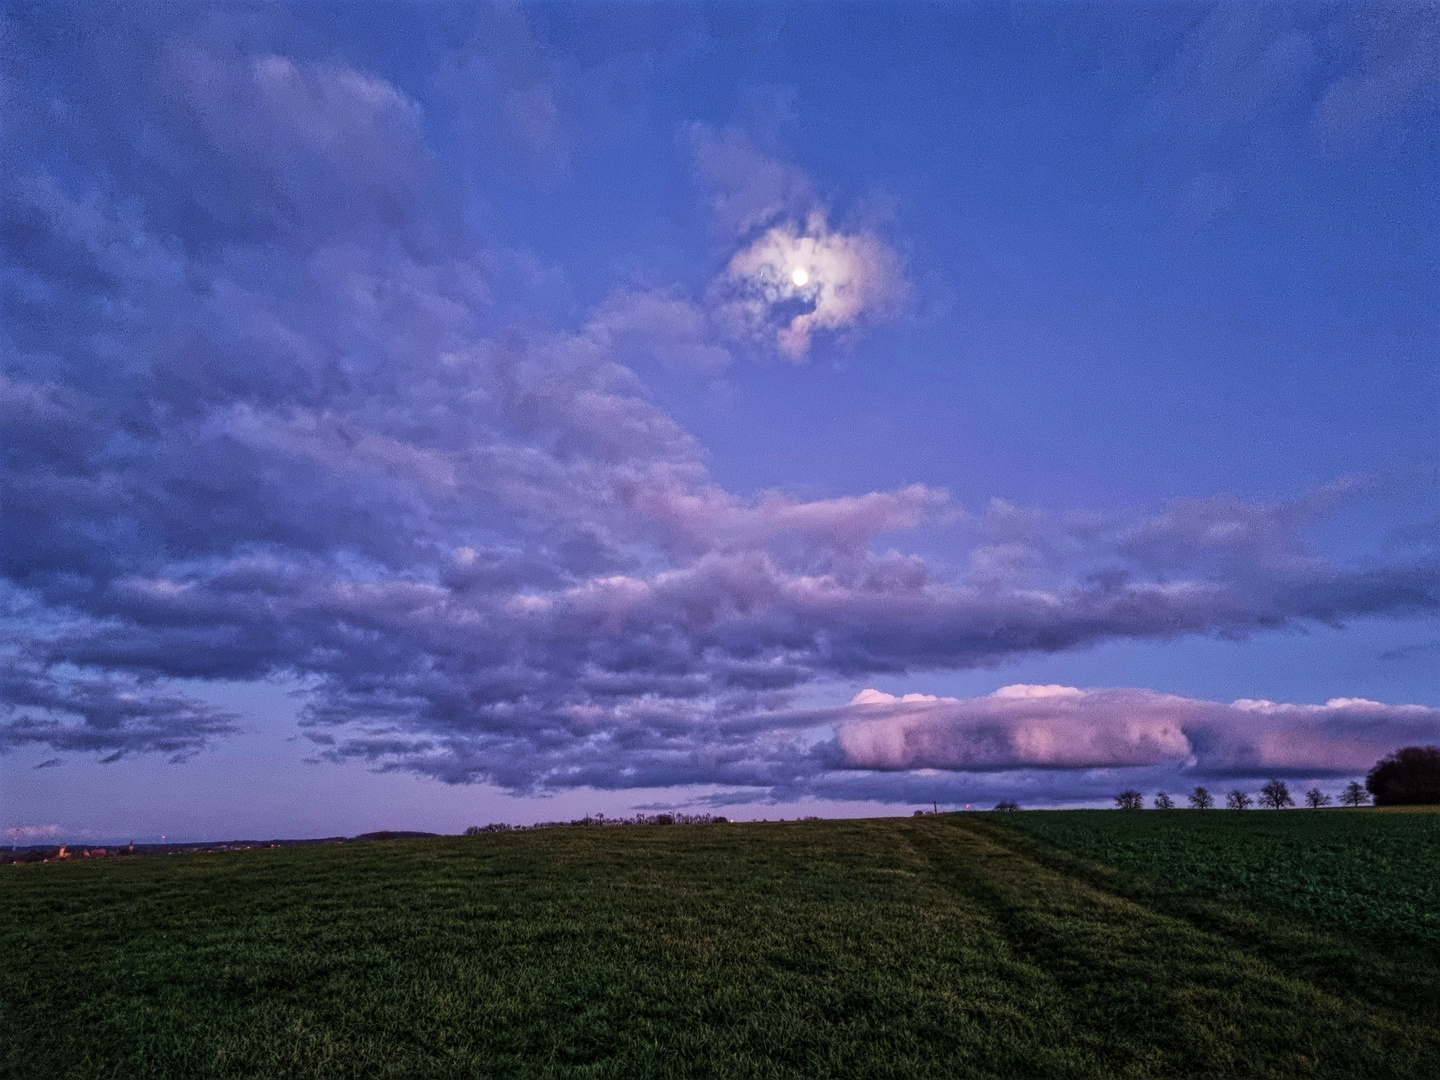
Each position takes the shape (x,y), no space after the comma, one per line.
(1408,777)
(1275,795)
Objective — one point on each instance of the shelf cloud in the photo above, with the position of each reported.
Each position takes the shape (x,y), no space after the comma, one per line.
(1060,727)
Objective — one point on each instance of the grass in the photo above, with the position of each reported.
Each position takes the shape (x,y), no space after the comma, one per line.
(1076,944)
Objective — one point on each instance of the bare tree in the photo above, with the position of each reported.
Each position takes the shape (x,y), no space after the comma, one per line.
(1355,794)
(1276,795)
(1200,799)
(1007,804)
(1315,798)
(1130,800)
(1164,802)
(1238,800)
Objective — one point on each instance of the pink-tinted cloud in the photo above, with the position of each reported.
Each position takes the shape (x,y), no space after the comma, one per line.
(1061,727)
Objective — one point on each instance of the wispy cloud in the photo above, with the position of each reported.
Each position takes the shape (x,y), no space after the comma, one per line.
(1400,67)
(1249,83)
(30,833)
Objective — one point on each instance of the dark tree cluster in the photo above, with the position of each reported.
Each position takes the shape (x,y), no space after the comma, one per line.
(1408,777)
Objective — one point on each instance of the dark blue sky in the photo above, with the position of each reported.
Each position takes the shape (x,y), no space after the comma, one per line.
(413,414)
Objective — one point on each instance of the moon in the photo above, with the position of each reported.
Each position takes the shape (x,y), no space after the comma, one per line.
(800,276)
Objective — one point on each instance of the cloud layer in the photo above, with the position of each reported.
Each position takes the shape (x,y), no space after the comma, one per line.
(263,422)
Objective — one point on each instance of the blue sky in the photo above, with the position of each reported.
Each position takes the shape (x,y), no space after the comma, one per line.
(414,416)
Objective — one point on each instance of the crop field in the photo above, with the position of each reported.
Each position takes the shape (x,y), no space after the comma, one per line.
(1374,872)
(1063,944)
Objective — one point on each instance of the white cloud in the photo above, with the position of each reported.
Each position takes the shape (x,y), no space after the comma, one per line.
(871,696)
(1022,691)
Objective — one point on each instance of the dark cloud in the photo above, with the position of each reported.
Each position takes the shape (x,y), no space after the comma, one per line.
(109,715)
(259,424)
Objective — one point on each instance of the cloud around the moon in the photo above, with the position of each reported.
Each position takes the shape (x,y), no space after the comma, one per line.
(790,274)
(799,279)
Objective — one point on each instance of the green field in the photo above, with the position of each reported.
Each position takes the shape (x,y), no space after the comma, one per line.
(1066,944)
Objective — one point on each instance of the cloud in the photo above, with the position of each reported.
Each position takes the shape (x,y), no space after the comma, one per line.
(794,275)
(107,715)
(748,191)
(503,90)
(1250,85)
(331,147)
(264,423)
(1059,727)
(16,833)
(1407,651)
(1240,63)
(639,326)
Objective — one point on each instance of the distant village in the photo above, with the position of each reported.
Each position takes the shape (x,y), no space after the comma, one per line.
(66,852)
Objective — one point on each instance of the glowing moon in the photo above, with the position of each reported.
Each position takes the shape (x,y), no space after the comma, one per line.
(800,277)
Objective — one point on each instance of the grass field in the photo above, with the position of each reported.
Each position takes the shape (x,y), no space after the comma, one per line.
(1072,944)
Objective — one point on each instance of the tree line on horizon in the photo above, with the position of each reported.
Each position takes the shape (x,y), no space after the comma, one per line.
(1275,795)
(1408,777)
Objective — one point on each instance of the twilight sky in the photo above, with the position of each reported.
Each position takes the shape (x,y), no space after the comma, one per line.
(423,415)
